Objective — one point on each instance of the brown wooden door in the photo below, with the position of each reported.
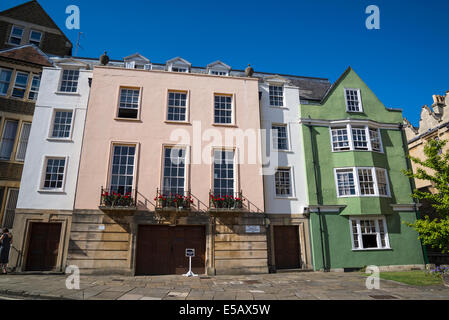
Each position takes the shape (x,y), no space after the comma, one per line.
(161,249)
(43,246)
(286,247)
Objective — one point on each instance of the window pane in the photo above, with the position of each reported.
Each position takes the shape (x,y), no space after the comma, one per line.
(223,109)
(62,124)
(177,102)
(174,165)
(340,140)
(23,142)
(283,182)
(223,173)
(34,89)
(345,182)
(359,137)
(20,85)
(5,79)
(54,174)
(276,96)
(280,140)
(123,169)
(129,103)
(353,100)
(9,136)
(69,82)
(366,182)
(382,182)
(8,220)
(375,139)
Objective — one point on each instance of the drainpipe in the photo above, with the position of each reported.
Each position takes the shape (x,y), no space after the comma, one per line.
(412,185)
(318,193)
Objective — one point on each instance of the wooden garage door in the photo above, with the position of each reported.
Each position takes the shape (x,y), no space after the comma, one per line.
(286,247)
(161,249)
(43,246)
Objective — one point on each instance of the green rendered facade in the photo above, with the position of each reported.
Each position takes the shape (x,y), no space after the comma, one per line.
(334,201)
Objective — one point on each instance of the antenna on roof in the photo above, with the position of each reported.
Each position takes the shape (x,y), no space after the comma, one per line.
(78,43)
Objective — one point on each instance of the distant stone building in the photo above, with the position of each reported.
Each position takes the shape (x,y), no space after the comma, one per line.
(28,23)
(434,124)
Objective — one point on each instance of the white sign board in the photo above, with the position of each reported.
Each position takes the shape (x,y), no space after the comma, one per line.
(190,252)
(252,229)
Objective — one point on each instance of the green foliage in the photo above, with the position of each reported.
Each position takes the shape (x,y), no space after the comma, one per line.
(433,232)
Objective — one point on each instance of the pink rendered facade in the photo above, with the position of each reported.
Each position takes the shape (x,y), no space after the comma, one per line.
(151,132)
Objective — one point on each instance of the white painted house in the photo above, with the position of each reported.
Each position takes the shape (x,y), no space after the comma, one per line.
(56,137)
(285,187)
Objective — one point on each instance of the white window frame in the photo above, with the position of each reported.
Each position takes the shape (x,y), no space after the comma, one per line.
(11,35)
(292,186)
(25,90)
(187,106)
(218,72)
(234,168)
(61,79)
(111,161)
(349,127)
(186,164)
(52,123)
(36,92)
(20,140)
(359,96)
(287,131)
(281,85)
(139,103)
(355,173)
(44,170)
(377,221)
(40,39)
(233,121)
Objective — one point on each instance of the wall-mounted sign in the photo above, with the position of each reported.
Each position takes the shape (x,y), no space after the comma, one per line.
(252,229)
(190,252)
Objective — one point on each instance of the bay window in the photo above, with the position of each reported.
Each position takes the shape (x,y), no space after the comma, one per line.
(361,182)
(355,138)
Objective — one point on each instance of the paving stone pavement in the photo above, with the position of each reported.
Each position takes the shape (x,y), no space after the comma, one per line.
(281,286)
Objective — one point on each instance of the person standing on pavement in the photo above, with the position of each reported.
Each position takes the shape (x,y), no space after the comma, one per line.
(5,245)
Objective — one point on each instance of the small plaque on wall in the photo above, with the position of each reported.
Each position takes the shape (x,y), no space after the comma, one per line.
(252,229)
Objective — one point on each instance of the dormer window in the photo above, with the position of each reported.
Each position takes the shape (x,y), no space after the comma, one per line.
(218,68)
(16,35)
(137,61)
(178,65)
(35,37)
(353,100)
(179,69)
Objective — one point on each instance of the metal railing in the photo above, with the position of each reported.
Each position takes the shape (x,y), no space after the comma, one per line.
(227,201)
(169,200)
(114,199)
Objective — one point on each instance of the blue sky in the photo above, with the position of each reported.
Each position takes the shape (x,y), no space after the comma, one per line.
(404,63)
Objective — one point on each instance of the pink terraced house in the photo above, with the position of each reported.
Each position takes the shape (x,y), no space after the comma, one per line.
(157,175)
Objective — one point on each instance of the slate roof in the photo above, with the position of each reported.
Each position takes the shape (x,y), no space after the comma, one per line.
(28,54)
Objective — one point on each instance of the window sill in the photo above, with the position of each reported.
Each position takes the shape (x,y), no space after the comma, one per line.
(285,198)
(276,107)
(126,119)
(67,93)
(51,191)
(225,125)
(372,249)
(341,151)
(178,122)
(60,140)
(285,151)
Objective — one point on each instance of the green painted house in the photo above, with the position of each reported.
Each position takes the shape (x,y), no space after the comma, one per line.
(359,199)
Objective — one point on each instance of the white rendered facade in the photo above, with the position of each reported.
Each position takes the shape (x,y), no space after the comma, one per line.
(283,113)
(44,145)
